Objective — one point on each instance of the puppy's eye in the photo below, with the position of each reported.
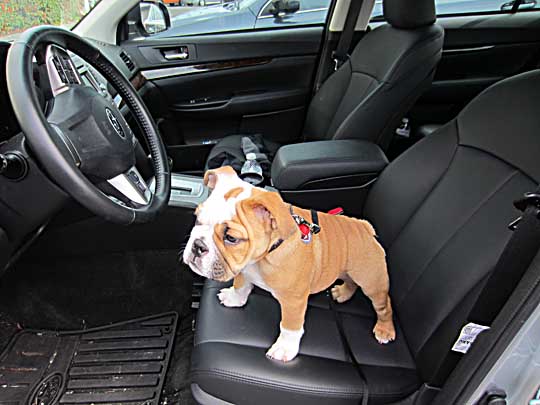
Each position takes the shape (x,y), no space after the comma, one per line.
(231,240)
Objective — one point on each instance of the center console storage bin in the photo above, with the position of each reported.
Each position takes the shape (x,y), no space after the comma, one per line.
(326,174)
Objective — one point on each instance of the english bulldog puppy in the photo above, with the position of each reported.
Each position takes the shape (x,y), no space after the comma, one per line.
(252,236)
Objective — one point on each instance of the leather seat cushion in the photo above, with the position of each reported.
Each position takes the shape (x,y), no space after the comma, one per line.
(230,344)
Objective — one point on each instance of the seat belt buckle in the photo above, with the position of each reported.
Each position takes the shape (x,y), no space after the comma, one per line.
(530,199)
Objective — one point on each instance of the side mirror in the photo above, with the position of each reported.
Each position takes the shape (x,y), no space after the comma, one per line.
(154,17)
(280,8)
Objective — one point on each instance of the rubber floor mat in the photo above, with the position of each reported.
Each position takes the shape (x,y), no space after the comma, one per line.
(120,363)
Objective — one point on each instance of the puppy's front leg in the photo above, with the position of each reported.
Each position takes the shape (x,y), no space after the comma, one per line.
(293,311)
(237,295)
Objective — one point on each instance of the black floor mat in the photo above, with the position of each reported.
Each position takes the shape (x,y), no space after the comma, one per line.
(121,363)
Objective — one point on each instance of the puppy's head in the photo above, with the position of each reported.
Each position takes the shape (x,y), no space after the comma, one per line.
(226,189)
(226,247)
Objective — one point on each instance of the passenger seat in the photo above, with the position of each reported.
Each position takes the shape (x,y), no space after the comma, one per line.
(441,211)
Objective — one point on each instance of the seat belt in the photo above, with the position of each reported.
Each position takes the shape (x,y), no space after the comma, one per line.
(513,262)
(339,321)
(348,349)
(341,53)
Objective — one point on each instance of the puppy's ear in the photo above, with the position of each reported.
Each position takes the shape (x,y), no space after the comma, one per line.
(211,177)
(268,207)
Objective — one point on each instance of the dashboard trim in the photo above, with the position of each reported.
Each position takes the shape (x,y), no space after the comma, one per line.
(163,73)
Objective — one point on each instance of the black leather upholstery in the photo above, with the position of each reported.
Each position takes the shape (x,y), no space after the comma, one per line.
(386,73)
(441,210)
(367,97)
(226,362)
(427,130)
(409,13)
(298,164)
(443,207)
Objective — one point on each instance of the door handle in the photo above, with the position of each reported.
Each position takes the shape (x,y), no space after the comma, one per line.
(180,53)
(524,5)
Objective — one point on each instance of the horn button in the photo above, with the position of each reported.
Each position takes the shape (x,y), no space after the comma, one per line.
(94,131)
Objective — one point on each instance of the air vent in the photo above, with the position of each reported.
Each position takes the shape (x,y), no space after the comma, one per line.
(127,60)
(65,69)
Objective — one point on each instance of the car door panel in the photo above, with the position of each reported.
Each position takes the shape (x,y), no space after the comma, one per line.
(232,83)
(231,96)
(478,51)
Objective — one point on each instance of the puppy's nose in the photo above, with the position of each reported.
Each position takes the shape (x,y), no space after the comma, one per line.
(199,248)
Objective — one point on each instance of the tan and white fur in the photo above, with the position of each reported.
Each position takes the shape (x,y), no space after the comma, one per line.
(238,225)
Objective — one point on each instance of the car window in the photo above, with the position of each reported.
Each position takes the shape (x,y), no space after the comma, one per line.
(193,17)
(19,15)
(459,7)
(305,6)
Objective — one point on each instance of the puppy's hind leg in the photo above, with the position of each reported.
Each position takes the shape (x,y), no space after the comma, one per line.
(376,289)
(237,295)
(344,292)
(384,330)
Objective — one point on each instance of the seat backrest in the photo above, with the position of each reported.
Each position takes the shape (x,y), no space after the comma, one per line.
(442,211)
(367,97)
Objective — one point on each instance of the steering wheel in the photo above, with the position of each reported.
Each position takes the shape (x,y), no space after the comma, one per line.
(83,141)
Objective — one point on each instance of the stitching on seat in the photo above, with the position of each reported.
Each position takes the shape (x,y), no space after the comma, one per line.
(379,86)
(421,203)
(501,159)
(426,43)
(244,378)
(478,207)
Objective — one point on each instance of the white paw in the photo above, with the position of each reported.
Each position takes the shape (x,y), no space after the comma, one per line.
(286,346)
(232,297)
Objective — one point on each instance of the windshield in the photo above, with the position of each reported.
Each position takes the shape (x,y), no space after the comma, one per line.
(17,16)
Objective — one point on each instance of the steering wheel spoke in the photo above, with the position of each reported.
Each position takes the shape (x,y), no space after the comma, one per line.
(132,186)
(61,70)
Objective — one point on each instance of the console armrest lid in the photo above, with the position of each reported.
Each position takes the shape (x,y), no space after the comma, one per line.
(297,164)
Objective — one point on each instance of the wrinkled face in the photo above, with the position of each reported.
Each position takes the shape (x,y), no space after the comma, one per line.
(234,228)
(201,252)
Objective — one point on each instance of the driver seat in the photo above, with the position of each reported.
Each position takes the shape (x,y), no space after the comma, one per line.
(367,97)
(441,211)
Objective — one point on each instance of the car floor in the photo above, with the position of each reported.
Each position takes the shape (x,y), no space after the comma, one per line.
(75,293)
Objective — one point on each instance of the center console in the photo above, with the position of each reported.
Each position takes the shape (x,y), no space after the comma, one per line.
(320,175)
(327,174)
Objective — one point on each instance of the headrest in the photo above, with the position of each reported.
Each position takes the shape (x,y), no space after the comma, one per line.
(409,13)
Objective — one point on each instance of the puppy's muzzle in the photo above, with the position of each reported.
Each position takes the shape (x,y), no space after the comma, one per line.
(199,248)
